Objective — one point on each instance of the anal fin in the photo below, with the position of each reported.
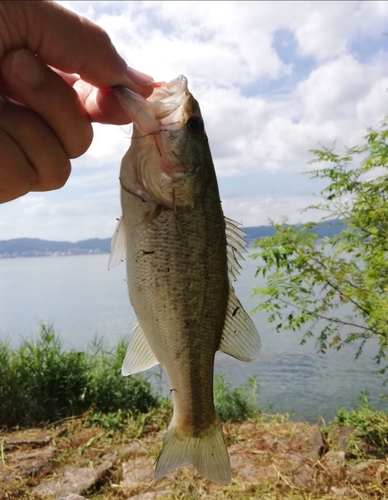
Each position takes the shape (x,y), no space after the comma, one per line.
(139,356)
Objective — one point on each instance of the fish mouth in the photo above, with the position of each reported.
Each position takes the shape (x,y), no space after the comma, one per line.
(168,97)
(163,110)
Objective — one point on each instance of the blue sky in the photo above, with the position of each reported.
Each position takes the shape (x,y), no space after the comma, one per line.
(274,80)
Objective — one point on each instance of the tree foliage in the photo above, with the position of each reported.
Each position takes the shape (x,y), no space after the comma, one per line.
(335,286)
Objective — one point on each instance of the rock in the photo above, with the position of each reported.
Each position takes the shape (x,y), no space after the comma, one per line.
(243,467)
(340,435)
(359,473)
(306,442)
(308,445)
(72,496)
(341,492)
(29,463)
(133,447)
(266,474)
(137,472)
(151,495)
(301,473)
(33,438)
(335,460)
(73,480)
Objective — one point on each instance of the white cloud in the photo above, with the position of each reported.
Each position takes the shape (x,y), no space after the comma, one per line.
(262,114)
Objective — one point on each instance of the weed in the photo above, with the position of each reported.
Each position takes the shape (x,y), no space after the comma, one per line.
(235,405)
(370,435)
(40,383)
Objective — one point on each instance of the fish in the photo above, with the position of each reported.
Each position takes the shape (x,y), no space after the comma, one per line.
(182,256)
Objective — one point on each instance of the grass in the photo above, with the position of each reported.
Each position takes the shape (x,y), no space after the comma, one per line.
(90,411)
(368,430)
(235,405)
(41,383)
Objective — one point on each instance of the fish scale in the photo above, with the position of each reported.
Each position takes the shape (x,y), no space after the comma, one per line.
(180,254)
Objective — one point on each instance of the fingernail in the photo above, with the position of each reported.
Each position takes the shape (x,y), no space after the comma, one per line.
(27,67)
(139,78)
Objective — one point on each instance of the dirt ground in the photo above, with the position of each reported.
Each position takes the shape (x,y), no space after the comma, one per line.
(272,460)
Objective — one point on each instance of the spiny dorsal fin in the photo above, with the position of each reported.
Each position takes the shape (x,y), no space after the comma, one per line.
(118,245)
(240,337)
(139,356)
(235,247)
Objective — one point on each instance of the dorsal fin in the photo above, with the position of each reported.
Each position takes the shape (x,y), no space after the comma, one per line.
(118,245)
(235,247)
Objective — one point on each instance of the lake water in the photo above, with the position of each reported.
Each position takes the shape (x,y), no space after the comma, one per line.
(84,301)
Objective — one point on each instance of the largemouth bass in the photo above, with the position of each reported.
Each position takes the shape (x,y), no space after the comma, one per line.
(181,256)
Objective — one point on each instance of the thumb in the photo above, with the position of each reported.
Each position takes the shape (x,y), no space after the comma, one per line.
(67,42)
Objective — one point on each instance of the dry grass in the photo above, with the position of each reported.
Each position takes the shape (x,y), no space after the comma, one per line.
(271,459)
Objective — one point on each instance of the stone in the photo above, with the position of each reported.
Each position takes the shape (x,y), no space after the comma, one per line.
(300,471)
(266,474)
(358,473)
(72,496)
(243,467)
(335,460)
(73,480)
(137,472)
(30,463)
(341,435)
(33,438)
(151,495)
(305,442)
(341,492)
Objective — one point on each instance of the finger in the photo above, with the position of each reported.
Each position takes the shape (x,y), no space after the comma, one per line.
(17,175)
(101,105)
(32,158)
(44,91)
(70,43)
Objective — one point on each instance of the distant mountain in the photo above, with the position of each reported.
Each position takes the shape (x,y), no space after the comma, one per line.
(34,247)
(328,228)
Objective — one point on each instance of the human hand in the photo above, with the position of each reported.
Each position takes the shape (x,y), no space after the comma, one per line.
(46,109)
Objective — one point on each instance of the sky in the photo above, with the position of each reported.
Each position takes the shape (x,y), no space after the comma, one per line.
(273,79)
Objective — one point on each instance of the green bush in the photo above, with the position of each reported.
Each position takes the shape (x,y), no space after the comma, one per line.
(370,436)
(40,383)
(238,404)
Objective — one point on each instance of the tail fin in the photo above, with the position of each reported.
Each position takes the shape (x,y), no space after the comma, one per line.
(207,452)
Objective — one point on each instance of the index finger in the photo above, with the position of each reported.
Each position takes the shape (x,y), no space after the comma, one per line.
(67,42)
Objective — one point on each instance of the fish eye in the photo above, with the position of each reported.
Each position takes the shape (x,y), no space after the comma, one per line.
(195,124)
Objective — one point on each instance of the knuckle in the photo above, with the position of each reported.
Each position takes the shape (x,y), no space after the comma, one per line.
(59,176)
(79,143)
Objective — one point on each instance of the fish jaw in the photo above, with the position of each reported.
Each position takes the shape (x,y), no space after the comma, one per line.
(162,110)
(169,148)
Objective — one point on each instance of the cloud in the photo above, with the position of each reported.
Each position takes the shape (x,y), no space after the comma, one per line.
(273,80)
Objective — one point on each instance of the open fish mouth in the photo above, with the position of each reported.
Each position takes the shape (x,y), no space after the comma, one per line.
(169,97)
(163,110)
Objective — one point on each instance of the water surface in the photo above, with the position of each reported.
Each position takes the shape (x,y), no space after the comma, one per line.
(84,301)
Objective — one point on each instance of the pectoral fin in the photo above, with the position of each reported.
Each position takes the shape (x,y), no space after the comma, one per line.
(139,356)
(240,337)
(118,245)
